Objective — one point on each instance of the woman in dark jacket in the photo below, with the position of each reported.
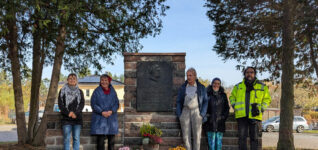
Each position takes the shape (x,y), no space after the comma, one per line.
(71,102)
(218,111)
(104,103)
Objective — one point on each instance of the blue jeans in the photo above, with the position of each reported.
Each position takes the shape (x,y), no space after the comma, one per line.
(215,140)
(76,131)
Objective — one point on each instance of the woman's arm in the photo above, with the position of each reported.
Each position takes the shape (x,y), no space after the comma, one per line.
(116,104)
(179,107)
(204,103)
(94,105)
(62,107)
(226,107)
(81,104)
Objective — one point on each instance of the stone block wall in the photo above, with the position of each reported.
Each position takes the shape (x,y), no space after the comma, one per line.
(54,134)
(168,124)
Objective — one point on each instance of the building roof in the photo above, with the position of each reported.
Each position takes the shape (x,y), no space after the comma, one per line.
(94,79)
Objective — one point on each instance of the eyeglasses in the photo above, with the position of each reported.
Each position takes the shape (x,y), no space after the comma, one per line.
(251,72)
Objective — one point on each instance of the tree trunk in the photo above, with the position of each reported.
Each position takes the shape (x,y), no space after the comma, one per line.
(58,58)
(12,40)
(3,67)
(37,67)
(313,55)
(286,138)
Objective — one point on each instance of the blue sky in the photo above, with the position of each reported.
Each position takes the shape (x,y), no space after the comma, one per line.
(186,28)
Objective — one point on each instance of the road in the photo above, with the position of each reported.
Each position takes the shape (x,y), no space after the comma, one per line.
(8,133)
(301,140)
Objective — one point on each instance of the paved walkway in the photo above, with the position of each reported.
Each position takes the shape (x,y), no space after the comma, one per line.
(8,133)
(301,140)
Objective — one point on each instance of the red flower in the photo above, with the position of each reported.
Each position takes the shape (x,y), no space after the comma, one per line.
(146,135)
(156,139)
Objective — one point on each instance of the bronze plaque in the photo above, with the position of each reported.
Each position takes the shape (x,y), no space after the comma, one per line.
(154,86)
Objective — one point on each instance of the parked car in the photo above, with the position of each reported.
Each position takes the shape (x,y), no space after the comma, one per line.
(299,124)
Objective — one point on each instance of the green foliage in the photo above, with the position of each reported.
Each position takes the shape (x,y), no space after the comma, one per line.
(96,30)
(63,77)
(118,78)
(149,129)
(312,114)
(145,129)
(205,82)
(44,88)
(251,32)
(111,27)
(7,93)
(122,78)
(304,97)
(84,72)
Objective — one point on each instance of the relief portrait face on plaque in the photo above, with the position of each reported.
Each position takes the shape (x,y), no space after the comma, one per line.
(154,73)
(154,86)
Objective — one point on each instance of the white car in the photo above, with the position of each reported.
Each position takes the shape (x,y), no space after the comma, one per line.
(300,124)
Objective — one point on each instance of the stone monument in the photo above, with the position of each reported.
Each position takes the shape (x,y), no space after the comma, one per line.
(151,87)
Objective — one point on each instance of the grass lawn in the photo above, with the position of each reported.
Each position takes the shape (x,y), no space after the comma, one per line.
(6,143)
(311,131)
(5,122)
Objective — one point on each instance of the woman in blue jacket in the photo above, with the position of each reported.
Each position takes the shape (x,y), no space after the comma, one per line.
(104,103)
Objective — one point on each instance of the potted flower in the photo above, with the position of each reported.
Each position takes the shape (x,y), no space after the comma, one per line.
(146,138)
(151,137)
(145,131)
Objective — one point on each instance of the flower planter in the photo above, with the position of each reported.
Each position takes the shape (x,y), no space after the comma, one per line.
(145,141)
(151,146)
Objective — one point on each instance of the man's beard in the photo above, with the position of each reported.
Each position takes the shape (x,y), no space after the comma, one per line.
(249,79)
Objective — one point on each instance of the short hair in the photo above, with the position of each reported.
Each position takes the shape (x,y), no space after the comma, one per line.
(192,70)
(249,67)
(72,74)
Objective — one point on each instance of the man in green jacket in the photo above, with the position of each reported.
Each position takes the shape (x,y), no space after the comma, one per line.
(249,100)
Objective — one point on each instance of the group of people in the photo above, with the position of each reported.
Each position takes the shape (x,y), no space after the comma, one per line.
(198,108)
(204,108)
(104,102)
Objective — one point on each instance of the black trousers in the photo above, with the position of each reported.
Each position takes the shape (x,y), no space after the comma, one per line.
(248,127)
(101,142)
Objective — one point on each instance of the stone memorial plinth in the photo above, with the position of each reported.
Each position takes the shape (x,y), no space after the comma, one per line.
(151,87)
